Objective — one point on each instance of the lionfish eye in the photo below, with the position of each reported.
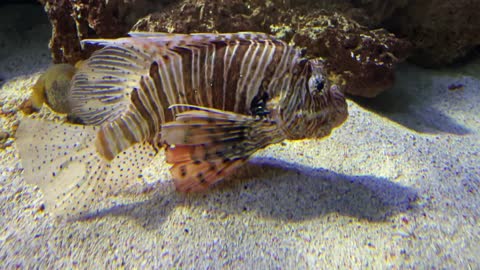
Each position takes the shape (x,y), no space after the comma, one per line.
(316,84)
(320,85)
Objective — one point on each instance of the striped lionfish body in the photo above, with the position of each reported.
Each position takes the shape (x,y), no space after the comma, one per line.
(213,99)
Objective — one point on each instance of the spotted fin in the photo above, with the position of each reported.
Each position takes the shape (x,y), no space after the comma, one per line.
(62,160)
(205,145)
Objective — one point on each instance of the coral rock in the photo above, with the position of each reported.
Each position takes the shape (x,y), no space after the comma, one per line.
(361,60)
(210,16)
(73,21)
(442,31)
(378,11)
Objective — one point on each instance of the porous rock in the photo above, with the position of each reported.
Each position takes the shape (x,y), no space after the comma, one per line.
(362,61)
(379,11)
(442,31)
(190,16)
(74,20)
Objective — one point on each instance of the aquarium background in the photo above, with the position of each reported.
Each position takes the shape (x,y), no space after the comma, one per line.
(396,186)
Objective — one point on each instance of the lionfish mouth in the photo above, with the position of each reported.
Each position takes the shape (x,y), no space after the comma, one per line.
(339,105)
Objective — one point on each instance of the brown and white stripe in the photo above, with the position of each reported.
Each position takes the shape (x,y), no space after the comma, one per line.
(128,86)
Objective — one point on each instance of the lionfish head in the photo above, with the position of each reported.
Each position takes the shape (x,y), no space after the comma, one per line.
(314,106)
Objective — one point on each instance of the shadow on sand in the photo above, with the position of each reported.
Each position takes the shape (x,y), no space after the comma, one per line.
(411,103)
(292,192)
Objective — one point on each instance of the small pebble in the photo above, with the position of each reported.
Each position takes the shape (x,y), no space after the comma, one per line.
(7,144)
(27,107)
(4,135)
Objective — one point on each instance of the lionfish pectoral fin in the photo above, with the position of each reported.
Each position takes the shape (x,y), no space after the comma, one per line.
(102,85)
(205,145)
(62,160)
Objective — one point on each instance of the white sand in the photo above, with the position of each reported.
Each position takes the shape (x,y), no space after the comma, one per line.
(398,185)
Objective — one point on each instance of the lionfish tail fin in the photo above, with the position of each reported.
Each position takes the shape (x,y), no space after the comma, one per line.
(206,145)
(62,160)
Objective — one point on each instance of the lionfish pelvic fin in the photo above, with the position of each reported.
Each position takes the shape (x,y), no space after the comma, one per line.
(205,145)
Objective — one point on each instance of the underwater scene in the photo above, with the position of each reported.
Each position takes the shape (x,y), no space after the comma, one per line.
(228,134)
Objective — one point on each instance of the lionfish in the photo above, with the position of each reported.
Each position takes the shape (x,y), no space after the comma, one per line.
(210,100)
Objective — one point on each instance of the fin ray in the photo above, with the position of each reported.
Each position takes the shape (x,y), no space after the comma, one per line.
(101,87)
(198,176)
(205,145)
(61,159)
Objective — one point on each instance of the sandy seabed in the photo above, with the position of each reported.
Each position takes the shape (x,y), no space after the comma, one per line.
(397,186)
